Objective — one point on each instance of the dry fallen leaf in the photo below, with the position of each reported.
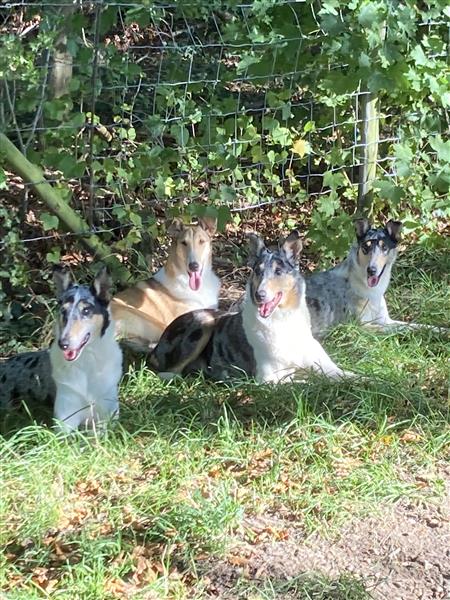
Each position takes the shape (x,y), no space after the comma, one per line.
(238,561)
(410,436)
(301,147)
(345,465)
(116,587)
(41,578)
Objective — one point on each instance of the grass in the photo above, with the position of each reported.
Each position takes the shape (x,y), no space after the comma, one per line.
(183,481)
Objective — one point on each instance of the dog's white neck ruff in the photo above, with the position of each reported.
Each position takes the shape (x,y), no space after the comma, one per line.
(282,342)
(370,299)
(207,296)
(87,388)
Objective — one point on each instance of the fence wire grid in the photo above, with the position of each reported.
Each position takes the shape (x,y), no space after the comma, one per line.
(137,106)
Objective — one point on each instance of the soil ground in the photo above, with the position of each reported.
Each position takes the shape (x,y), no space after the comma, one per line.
(401,554)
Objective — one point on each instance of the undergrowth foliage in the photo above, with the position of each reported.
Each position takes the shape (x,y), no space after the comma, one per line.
(171,107)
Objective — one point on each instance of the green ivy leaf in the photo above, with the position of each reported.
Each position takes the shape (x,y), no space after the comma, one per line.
(54,256)
(419,56)
(180,133)
(404,156)
(389,190)
(3,180)
(442,148)
(246,61)
(227,194)
(282,136)
(49,221)
(368,15)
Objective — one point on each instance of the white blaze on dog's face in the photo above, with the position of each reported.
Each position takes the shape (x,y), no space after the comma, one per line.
(83,312)
(376,247)
(275,279)
(191,249)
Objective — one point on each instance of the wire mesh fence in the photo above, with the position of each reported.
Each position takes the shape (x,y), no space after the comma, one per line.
(135,107)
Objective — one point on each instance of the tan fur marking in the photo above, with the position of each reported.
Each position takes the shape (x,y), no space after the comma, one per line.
(379,260)
(190,244)
(98,320)
(285,284)
(145,309)
(78,328)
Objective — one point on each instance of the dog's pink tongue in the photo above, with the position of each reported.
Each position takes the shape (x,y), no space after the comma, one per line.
(264,309)
(70,354)
(195,280)
(372,281)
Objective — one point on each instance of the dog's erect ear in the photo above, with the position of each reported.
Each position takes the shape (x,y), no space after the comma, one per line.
(255,246)
(292,246)
(176,227)
(209,224)
(394,229)
(62,279)
(362,226)
(102,285)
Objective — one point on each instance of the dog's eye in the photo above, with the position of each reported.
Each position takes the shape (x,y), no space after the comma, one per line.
(184,243)
(86,311)
(257,271)
(278,271)
(201,242)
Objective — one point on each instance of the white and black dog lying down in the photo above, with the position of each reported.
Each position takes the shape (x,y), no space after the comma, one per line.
(355,288)
(269,339)
(82,368)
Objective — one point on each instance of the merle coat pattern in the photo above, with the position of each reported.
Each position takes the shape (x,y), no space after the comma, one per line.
(268,339)
(81,370)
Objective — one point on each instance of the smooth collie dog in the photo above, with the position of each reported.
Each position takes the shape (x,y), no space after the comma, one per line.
(269,338)
(185,283)
(355,288)
(82,369)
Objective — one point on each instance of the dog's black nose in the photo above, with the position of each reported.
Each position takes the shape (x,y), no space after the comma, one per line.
(260,295)
(193,267)
(63,344)
(371,271)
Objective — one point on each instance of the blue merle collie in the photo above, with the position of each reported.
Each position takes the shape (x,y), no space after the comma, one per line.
(355,288)
(269,339)
(81,370)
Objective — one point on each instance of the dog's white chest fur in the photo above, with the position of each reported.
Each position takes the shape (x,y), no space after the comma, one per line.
(206,297)
(369,302)
(87,389)
(279,342)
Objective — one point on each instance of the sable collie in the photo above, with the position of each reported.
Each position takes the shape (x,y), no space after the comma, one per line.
(186,282)
(269,338)
(82,369)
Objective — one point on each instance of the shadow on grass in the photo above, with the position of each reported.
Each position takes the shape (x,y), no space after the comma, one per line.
(149,405)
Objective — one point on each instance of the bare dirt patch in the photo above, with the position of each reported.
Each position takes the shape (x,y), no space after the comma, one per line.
(401,554)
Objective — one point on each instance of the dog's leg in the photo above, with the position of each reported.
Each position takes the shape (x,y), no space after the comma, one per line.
(383,322)
(106,410)
(71,410)
(393,325)
(321,362)
(266,374)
